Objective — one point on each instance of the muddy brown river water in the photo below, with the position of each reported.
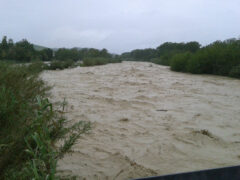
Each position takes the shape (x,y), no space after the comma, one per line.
(148,120)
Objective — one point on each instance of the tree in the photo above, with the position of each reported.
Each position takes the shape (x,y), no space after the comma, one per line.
(24,51)
(10,43)
(4,44)
(104,53)
(46,54)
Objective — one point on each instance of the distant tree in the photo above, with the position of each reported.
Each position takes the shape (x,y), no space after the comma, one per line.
(104,53)
(162,54)
(24,51)
(67,54)
(140,54)
(46,54)
(219,57)
(192,46)
(4,44)
(10,43)
(126,55)
(93,53)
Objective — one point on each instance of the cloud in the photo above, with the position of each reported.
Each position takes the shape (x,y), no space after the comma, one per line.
(118,25)
(68,37)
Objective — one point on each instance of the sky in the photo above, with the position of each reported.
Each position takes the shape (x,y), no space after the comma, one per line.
(119,25)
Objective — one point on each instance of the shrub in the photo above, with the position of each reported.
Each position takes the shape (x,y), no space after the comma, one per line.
(54,65)
(220,58)
(160,60)
(30,126)
(99,61)
(37,66)
(235,72)
(179,62)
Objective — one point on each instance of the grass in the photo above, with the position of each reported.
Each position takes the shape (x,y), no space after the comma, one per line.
(30,126)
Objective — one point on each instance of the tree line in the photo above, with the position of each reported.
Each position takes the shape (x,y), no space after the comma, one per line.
(219,57)
(79,54)
(24,51)
(162,54)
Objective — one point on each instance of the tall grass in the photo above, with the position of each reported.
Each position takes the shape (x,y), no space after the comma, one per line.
(30,126)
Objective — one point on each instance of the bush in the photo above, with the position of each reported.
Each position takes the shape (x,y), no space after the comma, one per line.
(54,65)
(235,72)
(162,54)
(37,66)
(179,62)
(220,58)
(30,127)
(99,61)
(160,60)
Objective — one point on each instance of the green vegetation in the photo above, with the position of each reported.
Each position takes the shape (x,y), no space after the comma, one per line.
(30,126)
(219,58)
(235,71)
(140,55)
(179,61)
(162,54)
(99,61)
(76,54)
(22,51)
(54,65)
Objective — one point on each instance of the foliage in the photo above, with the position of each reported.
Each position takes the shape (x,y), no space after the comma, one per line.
(54,65)
(78,54)
(37,67)
(220,58)
(162,54)
(66,54)
(179,62)
(45,54)
(168,47)
(30,126)
(22,51)
(99,61)
(235,72)
(141,54)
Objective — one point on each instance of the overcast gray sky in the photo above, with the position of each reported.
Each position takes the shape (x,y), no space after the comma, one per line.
(119,25)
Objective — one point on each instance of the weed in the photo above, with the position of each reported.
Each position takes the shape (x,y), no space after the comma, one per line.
(30,127)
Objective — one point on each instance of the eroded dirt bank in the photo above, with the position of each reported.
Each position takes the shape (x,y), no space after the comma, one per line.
(148,120)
